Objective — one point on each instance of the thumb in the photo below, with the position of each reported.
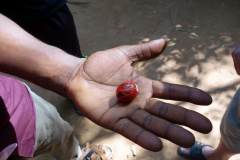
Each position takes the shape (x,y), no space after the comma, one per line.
(145,51)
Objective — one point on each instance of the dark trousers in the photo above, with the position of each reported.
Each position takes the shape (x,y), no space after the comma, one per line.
(57,30)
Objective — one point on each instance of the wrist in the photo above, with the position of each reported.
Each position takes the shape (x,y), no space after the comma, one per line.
(76,83)
(68,70)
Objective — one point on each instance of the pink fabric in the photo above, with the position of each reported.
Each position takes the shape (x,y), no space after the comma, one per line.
(17,117)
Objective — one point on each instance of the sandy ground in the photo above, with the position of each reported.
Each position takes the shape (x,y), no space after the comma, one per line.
(200,35)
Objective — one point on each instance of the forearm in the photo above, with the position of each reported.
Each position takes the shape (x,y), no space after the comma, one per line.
(24,56)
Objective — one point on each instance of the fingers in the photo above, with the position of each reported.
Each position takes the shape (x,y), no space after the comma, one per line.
(236,59)
(157,120)
(163,128)
(144,128)
(116,119)
(179,115)
(138,135)
(180,93)
(144,51)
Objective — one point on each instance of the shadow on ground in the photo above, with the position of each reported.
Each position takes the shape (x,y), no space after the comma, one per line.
(200,36)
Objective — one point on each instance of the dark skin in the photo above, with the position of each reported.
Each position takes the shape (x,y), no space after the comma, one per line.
(145,118)
(91,83)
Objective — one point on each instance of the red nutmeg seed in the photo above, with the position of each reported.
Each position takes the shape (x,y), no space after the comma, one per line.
(127,91)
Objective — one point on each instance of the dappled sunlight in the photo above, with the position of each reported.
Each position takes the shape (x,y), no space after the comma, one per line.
(177,52)
(202,62)
(197,58)
(146,40)
(193,36)
(200,55)
(198,61)
(200,37)
(178,26)
(206,65)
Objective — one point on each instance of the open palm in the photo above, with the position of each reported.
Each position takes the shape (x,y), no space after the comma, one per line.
(93,90)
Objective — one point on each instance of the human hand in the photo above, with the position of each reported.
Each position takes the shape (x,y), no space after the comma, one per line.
(236,59)
(93,90)
(92,85)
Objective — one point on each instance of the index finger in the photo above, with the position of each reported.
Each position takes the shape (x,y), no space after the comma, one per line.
(180,93)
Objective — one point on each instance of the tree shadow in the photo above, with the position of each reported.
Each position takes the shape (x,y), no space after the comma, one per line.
(200,36)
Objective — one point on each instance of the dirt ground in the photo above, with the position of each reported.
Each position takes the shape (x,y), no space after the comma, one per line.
(200,36)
